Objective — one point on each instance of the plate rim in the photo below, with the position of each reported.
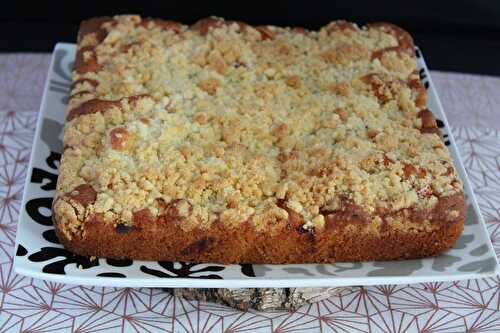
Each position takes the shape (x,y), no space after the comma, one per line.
(249,282)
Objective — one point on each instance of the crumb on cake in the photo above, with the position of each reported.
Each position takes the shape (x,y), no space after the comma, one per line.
(222,122)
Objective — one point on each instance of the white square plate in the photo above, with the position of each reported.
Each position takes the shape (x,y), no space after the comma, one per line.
(40,255)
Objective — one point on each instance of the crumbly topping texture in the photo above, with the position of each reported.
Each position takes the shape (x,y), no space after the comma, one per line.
(222,122)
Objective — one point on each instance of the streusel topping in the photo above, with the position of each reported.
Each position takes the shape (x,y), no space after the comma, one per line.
(233,123)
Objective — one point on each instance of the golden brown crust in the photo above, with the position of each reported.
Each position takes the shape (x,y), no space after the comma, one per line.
(164,24)
(405,41)
(89,107)
(429,123)
(93,26)
(83,194)
(96,105)
(204,25)
(90,34)
(162,239)
(153,169)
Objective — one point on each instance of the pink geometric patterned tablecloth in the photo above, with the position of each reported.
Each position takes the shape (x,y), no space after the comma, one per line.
(472,104)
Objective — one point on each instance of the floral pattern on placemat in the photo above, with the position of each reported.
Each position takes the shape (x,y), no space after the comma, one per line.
(34,305)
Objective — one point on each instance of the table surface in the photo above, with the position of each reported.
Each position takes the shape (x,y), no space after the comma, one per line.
(472,104)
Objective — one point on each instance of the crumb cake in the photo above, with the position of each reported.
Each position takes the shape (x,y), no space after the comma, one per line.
(231,143)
